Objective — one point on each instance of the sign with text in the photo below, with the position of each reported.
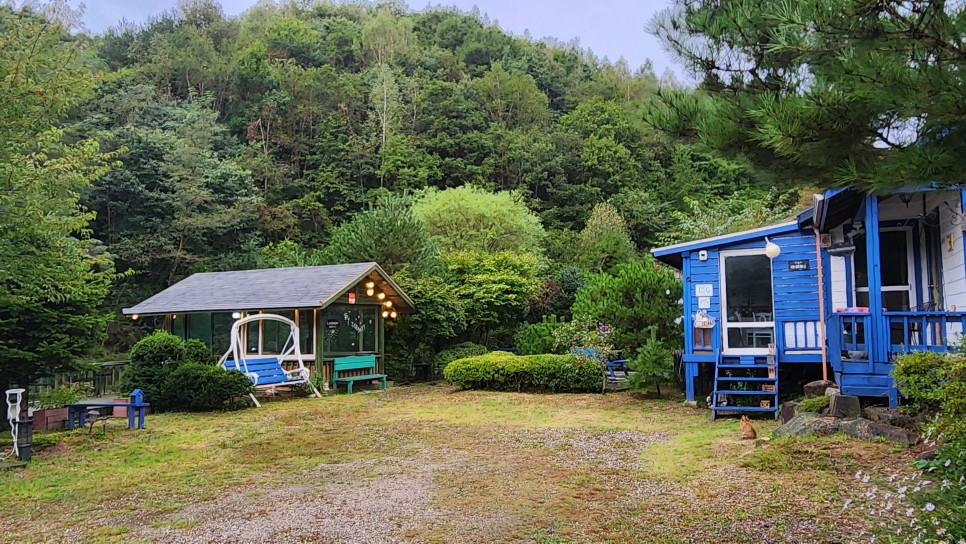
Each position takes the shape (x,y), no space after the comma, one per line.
(704,290)
(797,266)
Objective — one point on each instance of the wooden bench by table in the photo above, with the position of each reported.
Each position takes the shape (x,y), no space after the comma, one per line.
(135,410)
(356,362)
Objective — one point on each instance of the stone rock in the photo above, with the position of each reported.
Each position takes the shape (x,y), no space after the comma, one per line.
(832,391)
(845,406)
(788,411)
(870,430)
(817,388)
(808,424)
(892,416)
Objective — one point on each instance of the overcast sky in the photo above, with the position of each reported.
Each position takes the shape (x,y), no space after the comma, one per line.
(611,28)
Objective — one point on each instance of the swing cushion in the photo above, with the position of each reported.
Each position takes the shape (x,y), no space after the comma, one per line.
(268,370)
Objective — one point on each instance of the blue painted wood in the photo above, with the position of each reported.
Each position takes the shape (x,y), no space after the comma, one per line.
(728,239)
(880,334)
(688,312)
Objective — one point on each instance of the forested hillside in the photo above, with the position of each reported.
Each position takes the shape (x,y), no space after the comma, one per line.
(315,132)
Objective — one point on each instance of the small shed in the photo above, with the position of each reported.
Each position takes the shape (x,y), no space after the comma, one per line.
(340,310)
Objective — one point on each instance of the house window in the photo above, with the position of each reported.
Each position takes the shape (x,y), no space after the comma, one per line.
(748,310)
(306,330)
(894,266)
(350,328)
(276,333)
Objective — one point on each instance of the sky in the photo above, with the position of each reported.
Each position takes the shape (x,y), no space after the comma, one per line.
(611,28)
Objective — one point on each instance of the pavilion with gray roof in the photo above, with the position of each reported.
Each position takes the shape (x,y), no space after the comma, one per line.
(340,309)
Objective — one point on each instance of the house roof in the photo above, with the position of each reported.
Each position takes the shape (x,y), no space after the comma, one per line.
(672,254)
(264,289)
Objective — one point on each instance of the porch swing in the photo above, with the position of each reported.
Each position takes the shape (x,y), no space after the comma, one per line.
(267,372)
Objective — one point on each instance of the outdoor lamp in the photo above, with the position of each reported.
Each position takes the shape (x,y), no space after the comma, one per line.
(236,315)
(381,296)
(392,314)
(370,291)
(370,285)
(135,317)
(388,304)
(771,249)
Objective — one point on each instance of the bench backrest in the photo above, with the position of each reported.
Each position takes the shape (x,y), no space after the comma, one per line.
(268,369)
(354,362)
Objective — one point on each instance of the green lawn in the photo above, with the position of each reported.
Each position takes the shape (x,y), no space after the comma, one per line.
(430,464)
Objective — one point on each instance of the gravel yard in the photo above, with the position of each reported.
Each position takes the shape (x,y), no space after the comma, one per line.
(428,464)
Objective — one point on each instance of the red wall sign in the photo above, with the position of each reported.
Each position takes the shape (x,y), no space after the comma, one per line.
(352,298)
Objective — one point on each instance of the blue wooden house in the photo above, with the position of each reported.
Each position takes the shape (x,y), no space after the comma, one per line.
(847,285)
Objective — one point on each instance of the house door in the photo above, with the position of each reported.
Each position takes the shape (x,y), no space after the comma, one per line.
(896,266)
(748,314)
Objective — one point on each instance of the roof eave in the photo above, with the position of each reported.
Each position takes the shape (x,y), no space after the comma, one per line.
(725,239)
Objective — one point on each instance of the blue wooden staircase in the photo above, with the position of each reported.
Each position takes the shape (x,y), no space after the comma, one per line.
(738,381)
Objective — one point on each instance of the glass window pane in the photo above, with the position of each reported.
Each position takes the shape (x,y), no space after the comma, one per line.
(199,326)
(177,325)
(221,332)
(252,336)
(350,328)
(750,337)
(305,331)
(275,333)
(748,284)
(893,259)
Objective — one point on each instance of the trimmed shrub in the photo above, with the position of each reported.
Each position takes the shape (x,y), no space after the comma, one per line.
(152,358)
(195,387)
(195,351)
(501,371)
(459,351)
(536,338)
(920,376)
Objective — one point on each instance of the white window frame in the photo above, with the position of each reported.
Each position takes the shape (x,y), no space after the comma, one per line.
(726,323)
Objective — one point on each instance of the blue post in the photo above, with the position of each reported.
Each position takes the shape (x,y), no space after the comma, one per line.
(880,340)
(690,373)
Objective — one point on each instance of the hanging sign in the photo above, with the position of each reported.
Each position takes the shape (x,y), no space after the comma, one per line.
(704,290)
(332,324)
(798,266)
(352,298)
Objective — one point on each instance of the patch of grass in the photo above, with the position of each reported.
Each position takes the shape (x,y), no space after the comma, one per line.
(816,404)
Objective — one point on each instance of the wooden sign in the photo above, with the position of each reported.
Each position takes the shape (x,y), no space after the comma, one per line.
(798,266)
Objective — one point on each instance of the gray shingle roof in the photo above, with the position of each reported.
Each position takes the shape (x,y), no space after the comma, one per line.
(270,288)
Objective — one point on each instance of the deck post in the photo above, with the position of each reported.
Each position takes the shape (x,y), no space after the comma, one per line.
(879,340)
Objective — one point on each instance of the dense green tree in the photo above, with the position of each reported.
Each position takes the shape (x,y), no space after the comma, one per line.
(388,234)
(842,92)
(605,242)
(470,219)
(640,294)
(493,287)
(54,276)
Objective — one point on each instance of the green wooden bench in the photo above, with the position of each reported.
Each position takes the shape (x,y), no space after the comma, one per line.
(356,362)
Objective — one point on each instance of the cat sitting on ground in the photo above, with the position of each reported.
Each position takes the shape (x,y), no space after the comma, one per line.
(747,431)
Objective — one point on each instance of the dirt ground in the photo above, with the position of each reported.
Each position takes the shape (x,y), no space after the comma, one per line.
(429,464)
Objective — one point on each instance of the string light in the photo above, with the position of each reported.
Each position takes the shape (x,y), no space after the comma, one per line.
(393,314)
(381,296)
(388,304)
(385,314)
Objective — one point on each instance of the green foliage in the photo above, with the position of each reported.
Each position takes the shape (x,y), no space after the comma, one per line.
(195,351)
(152,359)
(459,351)
(816,404)
(537,338)
(605,241)
(471,219)
(842,92)
(714,216)
(54,275)
(940,505)
(494,288)
(388,234)
(556,295)
(59,397)
(194,387)
(653,365)
(588,340)
(501,371)
(936,383)
(639,295)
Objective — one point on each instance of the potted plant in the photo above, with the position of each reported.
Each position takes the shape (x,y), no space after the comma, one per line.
(51,412)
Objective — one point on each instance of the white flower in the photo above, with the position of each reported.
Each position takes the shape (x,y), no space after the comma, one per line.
(910,511)
(858,475)
(865,480)
(847,503)
(940,531)
(930,507)
(948,462)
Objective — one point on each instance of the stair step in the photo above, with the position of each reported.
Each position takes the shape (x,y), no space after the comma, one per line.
(743,392)
(746,379)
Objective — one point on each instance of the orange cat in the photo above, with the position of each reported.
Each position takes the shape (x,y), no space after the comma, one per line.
(747,431)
